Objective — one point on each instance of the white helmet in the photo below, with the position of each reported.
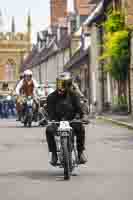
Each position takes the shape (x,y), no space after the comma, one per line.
(27,72)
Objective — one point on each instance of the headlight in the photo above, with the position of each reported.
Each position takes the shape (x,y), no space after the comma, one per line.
(30,102)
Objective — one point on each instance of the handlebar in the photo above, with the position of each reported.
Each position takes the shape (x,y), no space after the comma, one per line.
(71,122)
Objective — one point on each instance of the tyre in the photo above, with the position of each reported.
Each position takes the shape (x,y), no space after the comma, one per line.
(29,124)
(66,159)
(25,124)
(29,120)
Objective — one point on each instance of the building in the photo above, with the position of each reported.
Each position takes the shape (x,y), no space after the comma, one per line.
(48,59)
(83,9)
(58,9)
(14,46)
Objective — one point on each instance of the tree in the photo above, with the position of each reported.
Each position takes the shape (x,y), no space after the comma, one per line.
(116,52)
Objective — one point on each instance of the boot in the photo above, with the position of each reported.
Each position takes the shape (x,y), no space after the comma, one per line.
(54,159)
(82,158)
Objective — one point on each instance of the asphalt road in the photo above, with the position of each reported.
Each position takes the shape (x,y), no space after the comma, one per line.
(26,175)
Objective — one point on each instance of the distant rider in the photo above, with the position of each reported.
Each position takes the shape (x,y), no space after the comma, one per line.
(27,86)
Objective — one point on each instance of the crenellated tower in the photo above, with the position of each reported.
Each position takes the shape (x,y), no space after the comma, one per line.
(13,47)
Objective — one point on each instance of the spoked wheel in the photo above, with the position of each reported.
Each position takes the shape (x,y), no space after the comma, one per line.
(66,159)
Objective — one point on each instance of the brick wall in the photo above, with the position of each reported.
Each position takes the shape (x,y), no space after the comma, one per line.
(58,10)
(85,7)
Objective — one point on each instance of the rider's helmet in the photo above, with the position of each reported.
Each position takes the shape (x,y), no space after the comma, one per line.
(63,82)
(28,74)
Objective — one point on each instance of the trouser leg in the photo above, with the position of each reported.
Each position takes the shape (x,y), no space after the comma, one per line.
(50,138)
(80,133)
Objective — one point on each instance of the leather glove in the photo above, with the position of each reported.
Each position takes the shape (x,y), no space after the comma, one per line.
(77,116)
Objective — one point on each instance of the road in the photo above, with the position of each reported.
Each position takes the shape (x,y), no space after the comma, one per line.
(26,175)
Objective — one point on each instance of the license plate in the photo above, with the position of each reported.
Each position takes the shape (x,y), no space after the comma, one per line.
(64,134)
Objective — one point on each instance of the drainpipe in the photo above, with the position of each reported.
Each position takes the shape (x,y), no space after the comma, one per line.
(89,78)
(40,77)
(129,74)
(102,67)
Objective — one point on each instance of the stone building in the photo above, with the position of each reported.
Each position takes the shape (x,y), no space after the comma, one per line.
(13,47)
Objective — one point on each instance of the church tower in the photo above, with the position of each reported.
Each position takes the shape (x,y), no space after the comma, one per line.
(14,46)
(58,10)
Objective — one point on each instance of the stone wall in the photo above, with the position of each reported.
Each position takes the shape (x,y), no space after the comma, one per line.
(129,21)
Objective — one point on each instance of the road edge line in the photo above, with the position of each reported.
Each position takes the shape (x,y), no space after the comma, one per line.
(124,124)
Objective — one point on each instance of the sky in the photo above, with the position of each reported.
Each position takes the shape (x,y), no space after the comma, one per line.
(39,10)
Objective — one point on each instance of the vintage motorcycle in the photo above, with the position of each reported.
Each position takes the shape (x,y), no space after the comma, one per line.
(66,144)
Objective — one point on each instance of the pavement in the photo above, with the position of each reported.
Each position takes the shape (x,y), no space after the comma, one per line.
(122,120)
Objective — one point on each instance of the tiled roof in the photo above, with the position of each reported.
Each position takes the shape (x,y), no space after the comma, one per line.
(36,58)
(77,59)
(26,62)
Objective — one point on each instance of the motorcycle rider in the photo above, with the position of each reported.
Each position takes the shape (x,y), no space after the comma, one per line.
(18,100)
(63,103)
(27,86)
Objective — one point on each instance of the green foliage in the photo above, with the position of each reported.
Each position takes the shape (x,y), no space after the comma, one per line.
(116,47)
(120,100)
(114,23)
(117,52)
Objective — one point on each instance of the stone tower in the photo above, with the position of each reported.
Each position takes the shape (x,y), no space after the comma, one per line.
(13,47)
(58,10)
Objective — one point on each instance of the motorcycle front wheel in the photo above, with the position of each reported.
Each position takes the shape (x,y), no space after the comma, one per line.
(66,159)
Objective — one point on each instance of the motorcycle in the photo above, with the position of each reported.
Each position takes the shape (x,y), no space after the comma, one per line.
(28,111)
(66,144)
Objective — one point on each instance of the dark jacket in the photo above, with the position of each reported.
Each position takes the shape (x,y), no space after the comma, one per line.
(64,107)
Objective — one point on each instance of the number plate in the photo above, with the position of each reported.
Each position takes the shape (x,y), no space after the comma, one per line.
(64,134)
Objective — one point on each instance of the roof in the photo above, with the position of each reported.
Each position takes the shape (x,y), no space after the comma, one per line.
(36,57)
(26,62)
(95,14)
(77,59)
